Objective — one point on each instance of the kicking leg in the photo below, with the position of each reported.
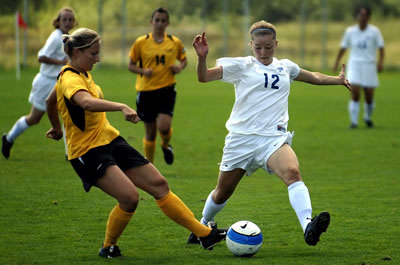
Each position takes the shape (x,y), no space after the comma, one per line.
(285,164)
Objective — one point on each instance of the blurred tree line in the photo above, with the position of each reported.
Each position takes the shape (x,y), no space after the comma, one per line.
(272,10)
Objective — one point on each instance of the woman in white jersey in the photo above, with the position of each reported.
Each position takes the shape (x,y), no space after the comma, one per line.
(363,40)
(258,136)
(52,58)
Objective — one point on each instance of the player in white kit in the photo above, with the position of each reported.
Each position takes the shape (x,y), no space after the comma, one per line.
(52,58)
(258,136)
(362,67)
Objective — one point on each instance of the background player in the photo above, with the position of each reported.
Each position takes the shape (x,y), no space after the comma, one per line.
(51,58)
(363,40)
(100,156)
(153,58)
(258,136)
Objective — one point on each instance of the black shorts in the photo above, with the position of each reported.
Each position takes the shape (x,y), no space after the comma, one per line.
(150,103)
(92,165)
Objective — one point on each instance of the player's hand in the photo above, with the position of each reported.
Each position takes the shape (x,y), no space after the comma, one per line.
(55,134)
(147,72)
(380,67)
(175,69)
(130,114)
(200,45)
(343,79)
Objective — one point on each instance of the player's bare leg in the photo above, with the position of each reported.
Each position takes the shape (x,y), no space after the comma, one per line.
(164,122)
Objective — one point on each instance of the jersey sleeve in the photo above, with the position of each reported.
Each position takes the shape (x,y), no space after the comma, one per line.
(292,68)
(72,84)
(345,43)
(231,68)
(181,54)
(134,53)
(52,44)
(379,39)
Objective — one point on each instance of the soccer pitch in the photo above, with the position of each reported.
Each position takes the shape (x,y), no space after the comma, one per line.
(47,218)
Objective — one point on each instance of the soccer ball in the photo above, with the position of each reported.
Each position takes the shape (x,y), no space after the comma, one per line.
(244,238)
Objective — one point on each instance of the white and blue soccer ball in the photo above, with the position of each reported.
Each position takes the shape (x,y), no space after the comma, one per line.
(244,239)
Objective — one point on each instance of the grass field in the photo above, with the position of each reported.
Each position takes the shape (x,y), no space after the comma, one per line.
(47,218)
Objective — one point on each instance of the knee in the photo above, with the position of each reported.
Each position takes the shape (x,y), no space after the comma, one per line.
(292,174)
(32,120)
(164,129)
(220,196)
(129,202)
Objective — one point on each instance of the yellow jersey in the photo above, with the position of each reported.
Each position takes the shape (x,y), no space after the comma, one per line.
(159,57)
(84,129)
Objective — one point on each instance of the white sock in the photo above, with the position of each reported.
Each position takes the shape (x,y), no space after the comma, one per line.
(19,127)
(300,200)
(368,109)
(211,209)
(354,109)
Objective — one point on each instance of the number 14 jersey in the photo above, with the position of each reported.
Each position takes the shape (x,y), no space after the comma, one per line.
(159,57)
(261,94)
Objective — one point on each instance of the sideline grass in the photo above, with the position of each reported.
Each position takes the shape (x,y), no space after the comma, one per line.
(47,218)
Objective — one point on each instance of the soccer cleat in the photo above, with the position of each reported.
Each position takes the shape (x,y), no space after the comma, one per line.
(316,227)
(6,146)
(110,252)
(168,154)
(353,126)
(194,239)
(369,123)
(216,236)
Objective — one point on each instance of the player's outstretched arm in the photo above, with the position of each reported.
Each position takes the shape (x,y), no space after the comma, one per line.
(51,104)
(317,78)
(203,73)
(83,99)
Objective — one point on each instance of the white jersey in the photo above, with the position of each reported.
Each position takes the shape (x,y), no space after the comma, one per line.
(363,43)
(261,94)
(52,49)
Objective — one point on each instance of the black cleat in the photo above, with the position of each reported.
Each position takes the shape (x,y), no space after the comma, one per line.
(216,236)
(316,227)
(6,146)
(353,126)
(369,123)
(168,154)
(110,252)
(194,239)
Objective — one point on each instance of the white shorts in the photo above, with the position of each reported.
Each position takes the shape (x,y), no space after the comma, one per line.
(363,74)
(41,87)
(251,152)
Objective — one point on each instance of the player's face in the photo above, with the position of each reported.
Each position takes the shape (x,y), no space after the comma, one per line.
(88,57)
(363,16)
(263,47)
(160,22)
(67,21)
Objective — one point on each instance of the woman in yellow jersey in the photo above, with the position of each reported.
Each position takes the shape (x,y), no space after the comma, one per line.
(100,156)
(153,57)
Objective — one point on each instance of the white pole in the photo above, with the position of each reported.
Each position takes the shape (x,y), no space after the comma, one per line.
(17,65)
(25,32)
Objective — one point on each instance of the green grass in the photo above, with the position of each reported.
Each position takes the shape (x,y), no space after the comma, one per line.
(47,218)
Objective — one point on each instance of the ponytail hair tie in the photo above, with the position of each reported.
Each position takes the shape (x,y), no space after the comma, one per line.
(66,38)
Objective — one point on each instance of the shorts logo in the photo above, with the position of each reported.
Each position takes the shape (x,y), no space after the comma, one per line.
(99,167)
